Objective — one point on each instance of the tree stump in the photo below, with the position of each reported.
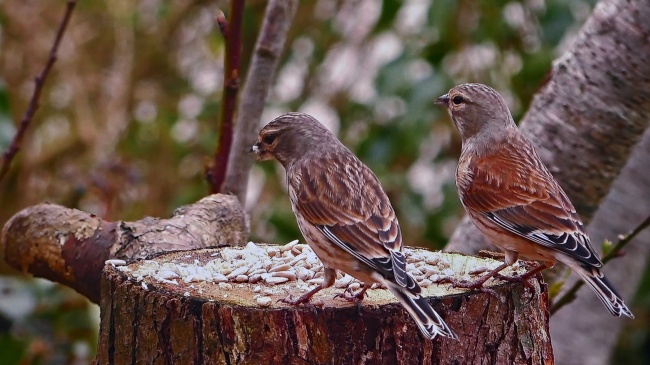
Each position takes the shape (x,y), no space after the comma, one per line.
(207,307)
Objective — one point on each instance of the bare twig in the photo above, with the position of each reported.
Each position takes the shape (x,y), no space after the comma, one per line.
(570,294)
(232,32)
(39,81)
(270,42)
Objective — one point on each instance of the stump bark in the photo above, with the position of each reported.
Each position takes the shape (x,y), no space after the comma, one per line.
(152,320)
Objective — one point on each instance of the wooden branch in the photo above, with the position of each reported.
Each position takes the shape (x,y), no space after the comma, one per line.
(232,33)
(39,82)
(191,319)
(70,246)
(270,42)
(586,319)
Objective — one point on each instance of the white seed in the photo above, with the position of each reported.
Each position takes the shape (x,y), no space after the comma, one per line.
(264,301)
(285,274)
(239,271)
(257,271)
(254,278)
(173,282)
(275,280)
(297,259)
(115,262)
(282,267)
(241,278)
(419,277)
(288,246)
(267,292)
(304,273)
(432,259)
(354,286)
(436,278)
(257,289)
(425,283)
(219,278)
(302,247)
(343,282)
(315,281)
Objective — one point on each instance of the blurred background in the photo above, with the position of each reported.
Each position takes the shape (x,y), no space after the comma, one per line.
(128,115)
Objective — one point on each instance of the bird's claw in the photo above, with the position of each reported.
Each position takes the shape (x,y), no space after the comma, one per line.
(301,300)
(349,295)
(524,279)
(477,284)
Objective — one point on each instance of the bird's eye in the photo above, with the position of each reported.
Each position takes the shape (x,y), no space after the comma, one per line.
(457,99)
(269,138)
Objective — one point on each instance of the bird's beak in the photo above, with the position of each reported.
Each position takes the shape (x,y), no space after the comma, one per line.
(255,149)
(443,100)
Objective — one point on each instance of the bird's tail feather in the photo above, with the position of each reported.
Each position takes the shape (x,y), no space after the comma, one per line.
(429,322)
(605,291)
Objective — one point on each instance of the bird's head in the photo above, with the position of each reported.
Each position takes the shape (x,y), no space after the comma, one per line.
(476,109)
(291,136)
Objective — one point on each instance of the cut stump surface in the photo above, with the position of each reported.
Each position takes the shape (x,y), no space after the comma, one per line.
(172,310)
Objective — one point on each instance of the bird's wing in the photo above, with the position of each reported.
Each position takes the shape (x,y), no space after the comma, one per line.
(512,188)
(341,196)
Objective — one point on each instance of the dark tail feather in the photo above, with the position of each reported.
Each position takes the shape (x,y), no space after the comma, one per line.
(429,322)
(605,292)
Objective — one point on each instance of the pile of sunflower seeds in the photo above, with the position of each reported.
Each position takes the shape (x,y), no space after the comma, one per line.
(272,265)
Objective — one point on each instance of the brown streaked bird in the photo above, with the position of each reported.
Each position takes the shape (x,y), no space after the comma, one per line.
(513,199)
(344,214)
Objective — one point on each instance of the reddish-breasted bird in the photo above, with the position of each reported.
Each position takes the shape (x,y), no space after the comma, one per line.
(343,213)
(513,199)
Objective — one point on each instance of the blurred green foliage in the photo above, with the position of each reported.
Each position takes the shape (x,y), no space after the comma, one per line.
(128,116)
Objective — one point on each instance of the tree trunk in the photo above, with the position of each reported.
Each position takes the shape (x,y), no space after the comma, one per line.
(582,321)
(146,320)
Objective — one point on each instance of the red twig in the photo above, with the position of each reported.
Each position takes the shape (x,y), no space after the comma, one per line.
(33,106)
(232,32)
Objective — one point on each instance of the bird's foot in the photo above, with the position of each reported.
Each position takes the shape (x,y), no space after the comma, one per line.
(524,279)
(303,299)
(477,284)
(351,296)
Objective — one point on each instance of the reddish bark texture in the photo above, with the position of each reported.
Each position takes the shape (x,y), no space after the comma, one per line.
(159,325)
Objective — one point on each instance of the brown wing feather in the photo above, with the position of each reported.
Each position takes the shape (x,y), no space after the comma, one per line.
(514,189)
(347,202)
